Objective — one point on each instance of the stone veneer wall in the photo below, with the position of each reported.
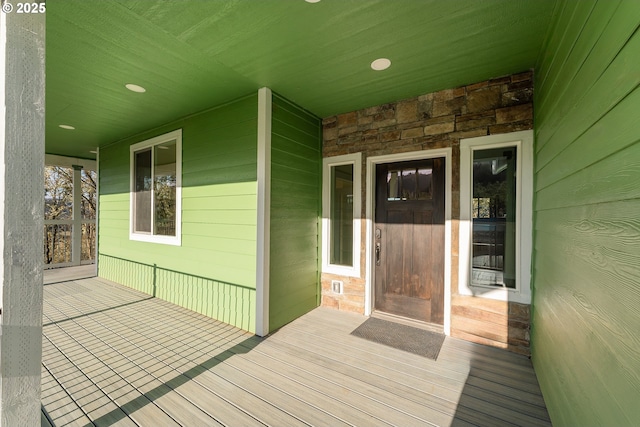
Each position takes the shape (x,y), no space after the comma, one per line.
(438,120)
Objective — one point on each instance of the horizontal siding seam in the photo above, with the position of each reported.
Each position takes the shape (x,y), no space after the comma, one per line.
(180,120)
(566,147)
(285,104)
(563,207)
(283,150)
(276,144)
(568,55)
(288,126)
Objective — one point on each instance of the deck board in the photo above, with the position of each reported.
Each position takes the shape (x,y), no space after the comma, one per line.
(114,356)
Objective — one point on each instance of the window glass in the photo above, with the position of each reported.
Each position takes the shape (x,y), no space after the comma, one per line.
(494,217)
(142,192)
(409,184)
(164,183)
(341,224)
(89,198)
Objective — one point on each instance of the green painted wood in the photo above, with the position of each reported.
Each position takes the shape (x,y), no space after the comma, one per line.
(588,147)
(580,53)
(558,65)
(295,209)
(192,57)
(610,179)
(213,271)
(552,38)
(586,296)
(597,76)
(241,232)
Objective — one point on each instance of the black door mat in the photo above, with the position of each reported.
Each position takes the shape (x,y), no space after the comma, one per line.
(403,337)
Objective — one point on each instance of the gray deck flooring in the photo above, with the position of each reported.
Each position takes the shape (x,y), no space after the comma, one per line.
(115,357)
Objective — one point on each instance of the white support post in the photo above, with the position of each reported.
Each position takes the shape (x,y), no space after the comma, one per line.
(264,211)
(22,67)
(76,233)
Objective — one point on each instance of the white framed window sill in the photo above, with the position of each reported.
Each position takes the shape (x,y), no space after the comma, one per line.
(165,240)
(496,293)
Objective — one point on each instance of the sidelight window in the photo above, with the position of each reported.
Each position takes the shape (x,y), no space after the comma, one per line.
(156,189)
(494,217)
(496,192)
(341,220)
(341,213)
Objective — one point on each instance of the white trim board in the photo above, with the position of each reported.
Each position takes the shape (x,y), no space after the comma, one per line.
(97,249)
(370,192)
(64,161)
(263,238)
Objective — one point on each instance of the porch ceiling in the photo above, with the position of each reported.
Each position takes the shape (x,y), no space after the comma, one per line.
(192,55)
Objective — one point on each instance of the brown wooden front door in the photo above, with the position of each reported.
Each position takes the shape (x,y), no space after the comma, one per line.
(409,239)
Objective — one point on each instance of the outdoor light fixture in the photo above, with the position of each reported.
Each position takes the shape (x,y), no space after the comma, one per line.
(69,127)
(135,88)
(312,1)
(381,64)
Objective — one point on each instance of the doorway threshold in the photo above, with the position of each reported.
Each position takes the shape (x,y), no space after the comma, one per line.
(408,321)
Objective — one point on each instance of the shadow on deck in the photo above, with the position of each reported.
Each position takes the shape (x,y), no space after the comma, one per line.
(114,356)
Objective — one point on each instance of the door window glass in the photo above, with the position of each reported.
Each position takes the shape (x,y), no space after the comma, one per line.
(410,184)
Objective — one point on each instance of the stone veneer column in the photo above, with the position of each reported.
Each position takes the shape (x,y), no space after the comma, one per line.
(22,51)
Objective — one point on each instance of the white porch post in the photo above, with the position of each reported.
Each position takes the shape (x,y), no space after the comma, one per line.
(264,211)
(22,51)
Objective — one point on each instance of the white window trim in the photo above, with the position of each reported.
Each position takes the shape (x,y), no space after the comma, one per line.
(168,240)
(327,163)
(524,215)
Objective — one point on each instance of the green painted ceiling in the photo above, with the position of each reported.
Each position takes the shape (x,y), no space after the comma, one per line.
(191,55)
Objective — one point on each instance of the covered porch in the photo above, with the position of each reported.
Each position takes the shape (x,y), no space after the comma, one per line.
(115,356)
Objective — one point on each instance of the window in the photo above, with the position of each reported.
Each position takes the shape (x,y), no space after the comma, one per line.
(493,234)
(341,215)
(156,189)
(496,192)
(341,220)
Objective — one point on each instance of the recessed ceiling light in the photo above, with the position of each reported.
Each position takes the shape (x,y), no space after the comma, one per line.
(381,64)
(135,88)
(312,1)
(67,127)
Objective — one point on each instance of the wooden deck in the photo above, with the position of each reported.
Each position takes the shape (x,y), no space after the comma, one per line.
(115,357)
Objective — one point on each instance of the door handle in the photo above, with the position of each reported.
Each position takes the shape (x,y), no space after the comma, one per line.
(378,249)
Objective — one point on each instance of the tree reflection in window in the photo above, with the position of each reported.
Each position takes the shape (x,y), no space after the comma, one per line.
(410,184)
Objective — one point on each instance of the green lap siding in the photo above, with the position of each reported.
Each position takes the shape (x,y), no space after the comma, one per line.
(586,303)
(295,210)
(213,272)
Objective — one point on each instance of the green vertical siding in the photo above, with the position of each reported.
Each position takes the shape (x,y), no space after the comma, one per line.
(213,271)
(586,305)
(295,209)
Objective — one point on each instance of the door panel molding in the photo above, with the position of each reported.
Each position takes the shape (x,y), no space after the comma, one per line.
(370,210)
